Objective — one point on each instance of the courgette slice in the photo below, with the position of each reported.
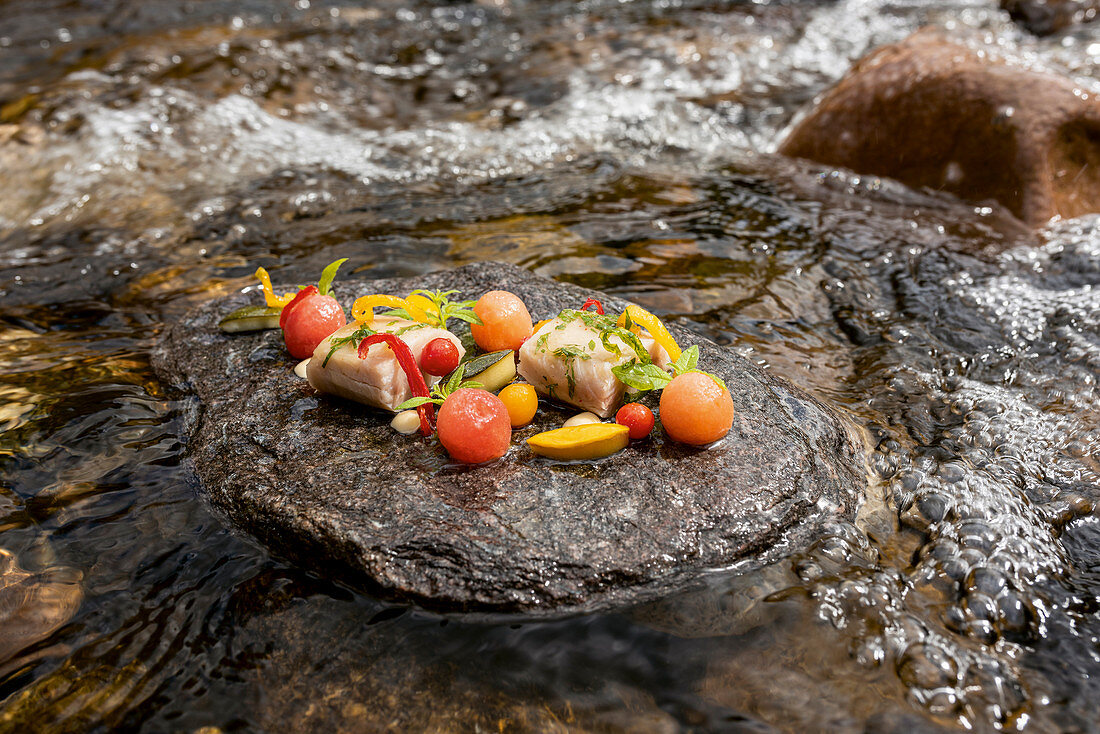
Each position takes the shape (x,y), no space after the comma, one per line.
(493,370)
(251,318)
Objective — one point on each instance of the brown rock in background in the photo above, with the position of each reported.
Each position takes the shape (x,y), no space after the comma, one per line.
(1043,17)
(934,114)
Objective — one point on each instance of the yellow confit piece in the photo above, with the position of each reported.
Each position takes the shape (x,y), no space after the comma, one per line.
(589,441)
(424,304)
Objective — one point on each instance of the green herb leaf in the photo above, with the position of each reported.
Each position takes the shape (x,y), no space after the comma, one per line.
(447,309)
(469,318)
(716,378)
(687,362)
(327,276)
(455,379)
(643,377)
(414,403)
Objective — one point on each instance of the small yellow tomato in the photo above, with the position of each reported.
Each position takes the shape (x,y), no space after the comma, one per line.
(521,401)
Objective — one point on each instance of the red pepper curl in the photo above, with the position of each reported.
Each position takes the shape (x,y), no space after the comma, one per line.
(407,362)
(593,302)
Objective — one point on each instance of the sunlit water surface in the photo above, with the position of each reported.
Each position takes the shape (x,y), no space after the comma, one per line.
(153,154)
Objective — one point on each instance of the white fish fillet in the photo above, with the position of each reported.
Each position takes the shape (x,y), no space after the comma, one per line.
(584,381)
(378,380)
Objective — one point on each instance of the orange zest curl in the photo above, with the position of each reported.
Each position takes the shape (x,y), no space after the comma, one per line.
(655,327)
(273,301)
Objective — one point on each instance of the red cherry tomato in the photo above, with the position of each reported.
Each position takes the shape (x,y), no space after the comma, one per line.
(473,426)
(636,417)
(308,319)
(440,357)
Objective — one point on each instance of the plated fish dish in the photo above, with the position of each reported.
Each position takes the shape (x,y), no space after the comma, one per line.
(467,372)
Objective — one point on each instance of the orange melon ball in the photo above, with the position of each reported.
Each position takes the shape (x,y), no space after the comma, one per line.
(695,409)
(505,321)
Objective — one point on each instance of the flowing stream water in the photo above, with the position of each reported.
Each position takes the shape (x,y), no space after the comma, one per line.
(153,154)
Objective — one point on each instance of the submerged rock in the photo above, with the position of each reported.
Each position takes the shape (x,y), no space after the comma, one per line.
(329,484)
(33,605)
(934,114)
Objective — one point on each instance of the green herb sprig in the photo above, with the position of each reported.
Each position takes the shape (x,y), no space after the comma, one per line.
(442,390)
(648,376)
(445,309)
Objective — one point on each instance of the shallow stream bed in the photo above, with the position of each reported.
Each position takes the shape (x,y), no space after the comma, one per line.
(153,154)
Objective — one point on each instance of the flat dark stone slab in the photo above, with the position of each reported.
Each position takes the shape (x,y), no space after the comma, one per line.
(330,485)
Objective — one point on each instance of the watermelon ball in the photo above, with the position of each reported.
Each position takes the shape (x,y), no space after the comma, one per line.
(309,319)
(474,426)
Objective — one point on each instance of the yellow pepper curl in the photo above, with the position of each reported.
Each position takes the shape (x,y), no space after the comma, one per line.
(362,311)
(425,305)
(655,327)
(273,301)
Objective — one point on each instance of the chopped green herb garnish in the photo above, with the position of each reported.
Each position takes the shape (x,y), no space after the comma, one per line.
(353,338)
(410,327)
(572,354)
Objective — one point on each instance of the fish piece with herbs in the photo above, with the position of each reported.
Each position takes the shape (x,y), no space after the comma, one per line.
(376,379)
(572,357)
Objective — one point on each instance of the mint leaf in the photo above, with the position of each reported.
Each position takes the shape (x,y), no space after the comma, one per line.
(687,362)
(327,276)
(643,377)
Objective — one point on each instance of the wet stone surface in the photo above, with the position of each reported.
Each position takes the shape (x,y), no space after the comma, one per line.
(329,485)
